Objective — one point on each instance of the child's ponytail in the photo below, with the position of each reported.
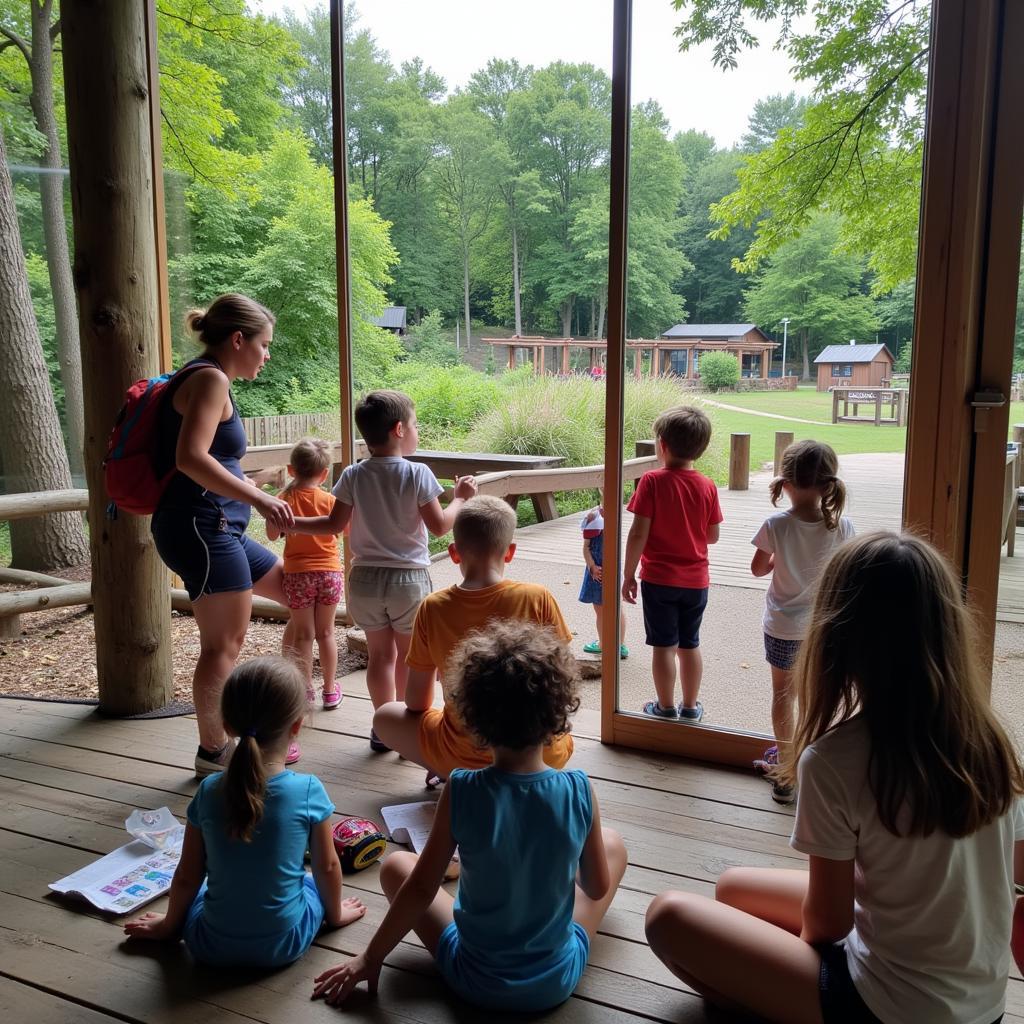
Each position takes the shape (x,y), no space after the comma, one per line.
(809,464)
(262,699)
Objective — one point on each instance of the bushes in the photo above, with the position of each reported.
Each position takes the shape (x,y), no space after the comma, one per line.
(448,399)
(718,370)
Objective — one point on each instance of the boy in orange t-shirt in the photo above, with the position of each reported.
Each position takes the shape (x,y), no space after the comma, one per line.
(435,737)
(313,581)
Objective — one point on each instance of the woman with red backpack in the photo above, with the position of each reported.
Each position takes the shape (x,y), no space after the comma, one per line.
(200,521)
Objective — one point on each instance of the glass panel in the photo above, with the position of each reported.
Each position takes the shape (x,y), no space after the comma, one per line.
(39,345)
(1007,669)
(759,244)
(487,161)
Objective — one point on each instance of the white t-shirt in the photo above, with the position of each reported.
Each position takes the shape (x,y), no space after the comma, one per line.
(801,550)
(386,493)
(931,933)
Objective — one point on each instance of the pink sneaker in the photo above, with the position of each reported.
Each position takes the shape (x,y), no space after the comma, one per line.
(332,698)
(294,753)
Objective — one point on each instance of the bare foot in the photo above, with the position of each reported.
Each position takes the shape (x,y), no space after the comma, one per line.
(352,908)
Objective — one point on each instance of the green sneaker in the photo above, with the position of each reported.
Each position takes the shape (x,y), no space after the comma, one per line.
(592,648)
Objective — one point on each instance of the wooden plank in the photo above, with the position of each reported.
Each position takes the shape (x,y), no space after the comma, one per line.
(20,1002)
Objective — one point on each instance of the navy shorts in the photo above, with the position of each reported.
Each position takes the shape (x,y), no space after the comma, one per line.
(840,1001)
(672,615)
(211,553)
(780,653)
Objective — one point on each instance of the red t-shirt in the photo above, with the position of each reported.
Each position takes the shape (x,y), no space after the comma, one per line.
(681,504)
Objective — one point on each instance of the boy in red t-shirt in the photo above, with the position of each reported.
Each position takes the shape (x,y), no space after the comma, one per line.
(675,517)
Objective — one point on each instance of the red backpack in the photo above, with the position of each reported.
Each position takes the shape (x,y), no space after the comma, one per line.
(129,469)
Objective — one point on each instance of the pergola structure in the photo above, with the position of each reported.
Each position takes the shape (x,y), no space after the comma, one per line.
(669,354)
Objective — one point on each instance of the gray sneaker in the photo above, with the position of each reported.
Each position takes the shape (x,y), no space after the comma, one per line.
(655,710)
(691,715)
(783,794)
(210,764)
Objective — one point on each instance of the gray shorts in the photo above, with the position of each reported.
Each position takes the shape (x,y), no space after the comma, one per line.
(381,597)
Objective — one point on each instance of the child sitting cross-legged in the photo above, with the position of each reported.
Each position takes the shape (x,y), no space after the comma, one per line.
(437,738)
(247,834)
(538,870)
(909,806)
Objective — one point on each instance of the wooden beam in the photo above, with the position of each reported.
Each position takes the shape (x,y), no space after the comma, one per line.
(39,503)
(106,74)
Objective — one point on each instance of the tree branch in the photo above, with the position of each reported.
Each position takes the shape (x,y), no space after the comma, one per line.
(13,39)
(184,151)
(55,30)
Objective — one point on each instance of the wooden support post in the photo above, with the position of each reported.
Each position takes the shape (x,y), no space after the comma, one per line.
(655,361)
(565,359)
(739,462)
(511,357)
(835,406)
(878,408)
(783,439)
(107,90)
(544,507)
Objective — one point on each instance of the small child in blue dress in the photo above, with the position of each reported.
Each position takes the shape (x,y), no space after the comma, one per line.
(592,525)
(247,834)
(538,871)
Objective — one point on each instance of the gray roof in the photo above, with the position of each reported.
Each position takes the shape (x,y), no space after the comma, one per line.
(393,318)
(851,353)
(708,330)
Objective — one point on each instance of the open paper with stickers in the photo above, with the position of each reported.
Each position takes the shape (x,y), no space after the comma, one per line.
(136,873)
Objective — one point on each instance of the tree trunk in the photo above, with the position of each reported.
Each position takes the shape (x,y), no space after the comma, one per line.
(55,232)
(106,78)
(31,444)
(516,296)
(805,345)
(465,288)
(601,312)
(567,316)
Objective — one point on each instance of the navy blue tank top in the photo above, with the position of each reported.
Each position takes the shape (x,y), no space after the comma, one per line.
(228,446)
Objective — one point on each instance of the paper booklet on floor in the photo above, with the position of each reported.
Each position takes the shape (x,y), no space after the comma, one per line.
(409,824)
(136,873)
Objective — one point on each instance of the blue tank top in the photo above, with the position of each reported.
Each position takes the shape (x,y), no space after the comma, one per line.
(228,446)
(520,838)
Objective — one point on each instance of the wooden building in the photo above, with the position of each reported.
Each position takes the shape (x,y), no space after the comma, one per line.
(393,319)
(854,366)
(682,346)
(677,352)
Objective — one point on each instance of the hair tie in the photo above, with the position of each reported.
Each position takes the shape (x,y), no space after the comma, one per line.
(251,732)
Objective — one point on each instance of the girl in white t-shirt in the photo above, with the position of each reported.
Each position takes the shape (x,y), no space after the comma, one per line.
(794,546)
(908,807)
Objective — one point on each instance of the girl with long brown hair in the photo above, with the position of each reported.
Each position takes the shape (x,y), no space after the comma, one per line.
(908,806)
(247,834)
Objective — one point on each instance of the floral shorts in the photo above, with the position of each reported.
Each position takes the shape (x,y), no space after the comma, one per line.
(306,589)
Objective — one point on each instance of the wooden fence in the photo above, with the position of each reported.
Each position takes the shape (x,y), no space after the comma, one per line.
(288,429)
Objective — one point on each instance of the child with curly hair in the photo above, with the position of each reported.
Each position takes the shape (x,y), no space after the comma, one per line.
(538,870)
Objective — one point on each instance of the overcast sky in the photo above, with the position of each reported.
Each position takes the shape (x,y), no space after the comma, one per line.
(457,37)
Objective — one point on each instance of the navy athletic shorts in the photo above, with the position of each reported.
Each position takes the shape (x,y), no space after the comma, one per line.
(207,546)
(672,615)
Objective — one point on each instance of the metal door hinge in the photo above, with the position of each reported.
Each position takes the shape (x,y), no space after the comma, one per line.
(983,403)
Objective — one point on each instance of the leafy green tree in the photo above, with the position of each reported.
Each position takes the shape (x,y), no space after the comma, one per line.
(719,370)
(817,286)
(695,149)
(858,150)
(466,181)
(712,290)
(896,316)
(428,343)
(566,115)
(770,117)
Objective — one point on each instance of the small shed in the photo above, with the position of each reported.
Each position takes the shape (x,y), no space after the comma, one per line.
(392,319)
(854,366)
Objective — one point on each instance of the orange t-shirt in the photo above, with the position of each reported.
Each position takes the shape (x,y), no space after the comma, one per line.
(442,622)
(304,552)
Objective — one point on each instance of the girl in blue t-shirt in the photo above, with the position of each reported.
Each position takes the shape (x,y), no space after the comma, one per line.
(538,872)
(247,833)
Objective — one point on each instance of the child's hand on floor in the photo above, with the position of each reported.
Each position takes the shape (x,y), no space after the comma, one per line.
(150,926)
(335,984)
(352,908)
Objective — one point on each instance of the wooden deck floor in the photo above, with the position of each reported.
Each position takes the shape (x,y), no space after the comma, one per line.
(68,779)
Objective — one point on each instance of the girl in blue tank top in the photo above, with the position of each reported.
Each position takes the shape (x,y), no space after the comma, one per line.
(538,872)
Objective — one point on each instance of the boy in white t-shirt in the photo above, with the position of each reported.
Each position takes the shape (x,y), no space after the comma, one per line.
(391,503)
